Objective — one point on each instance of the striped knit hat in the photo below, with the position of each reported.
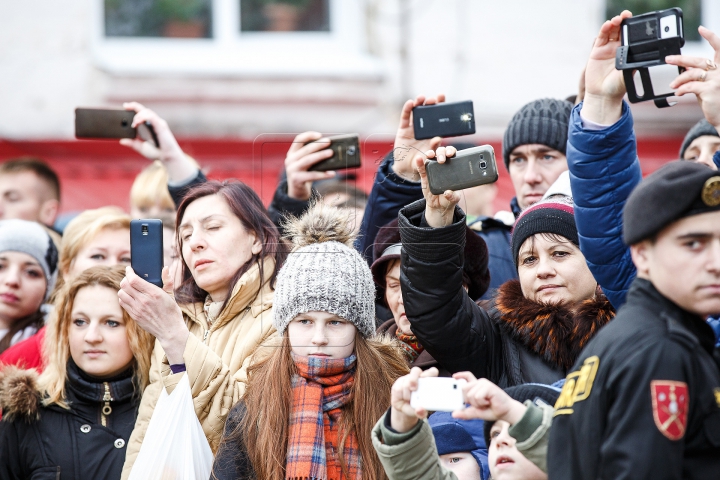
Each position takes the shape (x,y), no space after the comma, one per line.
(553,215)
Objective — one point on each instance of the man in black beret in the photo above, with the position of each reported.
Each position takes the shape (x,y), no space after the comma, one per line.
(643,399)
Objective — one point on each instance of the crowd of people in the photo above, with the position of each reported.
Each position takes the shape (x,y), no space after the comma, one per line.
(584,322)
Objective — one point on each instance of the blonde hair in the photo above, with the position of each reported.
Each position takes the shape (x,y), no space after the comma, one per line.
(56,349)
(82,229)
(150,188)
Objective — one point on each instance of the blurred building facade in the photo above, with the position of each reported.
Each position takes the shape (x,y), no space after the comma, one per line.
(236,69)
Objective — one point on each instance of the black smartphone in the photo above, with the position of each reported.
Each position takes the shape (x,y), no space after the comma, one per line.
(645,41)
(444,120)
(146,249)
(111,123)
(346,154)
(468,168)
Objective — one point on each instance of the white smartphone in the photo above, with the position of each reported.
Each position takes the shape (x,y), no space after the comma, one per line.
(438,394)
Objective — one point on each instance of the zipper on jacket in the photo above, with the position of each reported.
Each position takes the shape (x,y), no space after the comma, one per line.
(106,409)
(57,473)
(206,335)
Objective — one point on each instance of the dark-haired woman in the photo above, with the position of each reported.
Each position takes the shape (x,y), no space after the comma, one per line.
(538,324)
(231,253)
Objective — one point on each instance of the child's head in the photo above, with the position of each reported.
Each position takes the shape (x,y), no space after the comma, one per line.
(325,291)
(461,445)
(149,195)
(90,328)
(504,459)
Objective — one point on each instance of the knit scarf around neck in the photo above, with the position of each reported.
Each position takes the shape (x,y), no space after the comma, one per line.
(320,389)
(410,345)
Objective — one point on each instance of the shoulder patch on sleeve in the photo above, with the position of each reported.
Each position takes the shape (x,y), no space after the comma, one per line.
(670,401)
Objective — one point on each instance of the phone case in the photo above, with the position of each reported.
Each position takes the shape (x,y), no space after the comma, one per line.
(102,123)
(346,154)
(468,168)
(146,249)
(444,120)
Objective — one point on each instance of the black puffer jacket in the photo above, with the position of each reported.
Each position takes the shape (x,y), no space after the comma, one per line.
(54,443)
(515,341)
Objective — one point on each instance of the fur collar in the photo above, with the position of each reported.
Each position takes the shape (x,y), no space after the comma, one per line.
(19,395)
(550,330)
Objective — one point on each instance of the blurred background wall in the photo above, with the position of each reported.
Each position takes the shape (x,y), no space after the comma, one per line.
(229,75)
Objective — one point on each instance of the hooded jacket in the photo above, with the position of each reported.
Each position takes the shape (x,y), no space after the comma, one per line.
(52,442)
(516,341)
(216,358)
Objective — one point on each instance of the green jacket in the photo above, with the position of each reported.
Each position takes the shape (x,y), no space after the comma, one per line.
(413,454)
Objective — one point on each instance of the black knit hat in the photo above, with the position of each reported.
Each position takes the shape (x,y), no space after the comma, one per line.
(676,190)
(475,269)
(543,121)
(553,215)
(701,128)
(527,391)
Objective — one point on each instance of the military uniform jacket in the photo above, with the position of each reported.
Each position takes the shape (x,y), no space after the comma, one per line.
(643,398)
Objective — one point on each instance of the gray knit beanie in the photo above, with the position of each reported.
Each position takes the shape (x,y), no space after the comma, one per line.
(324,272)
(543,121)
(701,128)
(31,238)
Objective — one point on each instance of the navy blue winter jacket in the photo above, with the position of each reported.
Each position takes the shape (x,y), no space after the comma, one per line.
(604,169)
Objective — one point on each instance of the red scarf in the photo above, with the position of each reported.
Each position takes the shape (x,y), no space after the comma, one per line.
(410,345)
(320,389)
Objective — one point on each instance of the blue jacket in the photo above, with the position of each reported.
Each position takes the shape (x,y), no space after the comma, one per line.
(390,193)
(604,169)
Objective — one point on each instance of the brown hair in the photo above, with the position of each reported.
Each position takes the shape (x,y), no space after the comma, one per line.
(56,349)
(248,208)
(151,188)
(39,168)
(264,429)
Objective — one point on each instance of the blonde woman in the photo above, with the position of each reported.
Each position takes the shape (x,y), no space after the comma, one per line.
(95,237)
(74,421)
(149,194)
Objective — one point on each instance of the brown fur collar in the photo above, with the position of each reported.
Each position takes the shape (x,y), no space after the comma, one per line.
(551,330)
(19,395)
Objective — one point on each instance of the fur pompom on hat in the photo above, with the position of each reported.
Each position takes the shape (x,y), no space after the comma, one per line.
(323,272)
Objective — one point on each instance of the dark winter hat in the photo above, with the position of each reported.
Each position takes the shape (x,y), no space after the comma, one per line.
(701,128)
(676,190)
(543,121)
(475,269)
(453,436)
(528,391)
(553,215)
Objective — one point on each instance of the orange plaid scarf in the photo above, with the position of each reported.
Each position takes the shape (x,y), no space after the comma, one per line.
(320,389)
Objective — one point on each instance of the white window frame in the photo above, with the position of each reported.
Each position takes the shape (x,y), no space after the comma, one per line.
(339,52)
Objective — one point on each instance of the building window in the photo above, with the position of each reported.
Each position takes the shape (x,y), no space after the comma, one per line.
(158,18)
(284,16)
(692,12)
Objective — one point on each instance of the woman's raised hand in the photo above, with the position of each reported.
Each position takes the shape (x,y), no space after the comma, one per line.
(439,209)
(403,417)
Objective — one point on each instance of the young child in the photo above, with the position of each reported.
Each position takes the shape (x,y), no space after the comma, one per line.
(74,421)
(310,406)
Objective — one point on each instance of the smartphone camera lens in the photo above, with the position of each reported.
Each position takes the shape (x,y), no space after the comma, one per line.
(351,150)
(667,29)
(144,229)
(455,386)
(124,122)
(483,165)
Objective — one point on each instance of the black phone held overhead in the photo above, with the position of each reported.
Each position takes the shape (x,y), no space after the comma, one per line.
(645,42)
(346,154)
(146,249)
(468,168)
(111,123)
(444,120)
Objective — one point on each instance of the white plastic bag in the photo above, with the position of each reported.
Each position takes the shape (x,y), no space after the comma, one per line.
(175,447)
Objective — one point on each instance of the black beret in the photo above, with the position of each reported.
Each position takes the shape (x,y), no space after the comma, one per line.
(676,190)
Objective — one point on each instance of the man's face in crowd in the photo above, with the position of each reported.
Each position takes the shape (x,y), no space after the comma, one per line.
(683,263)
(702,149)
(25,196)
(533,168)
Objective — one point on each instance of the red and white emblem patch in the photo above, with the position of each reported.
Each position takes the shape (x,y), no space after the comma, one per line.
(670,405)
